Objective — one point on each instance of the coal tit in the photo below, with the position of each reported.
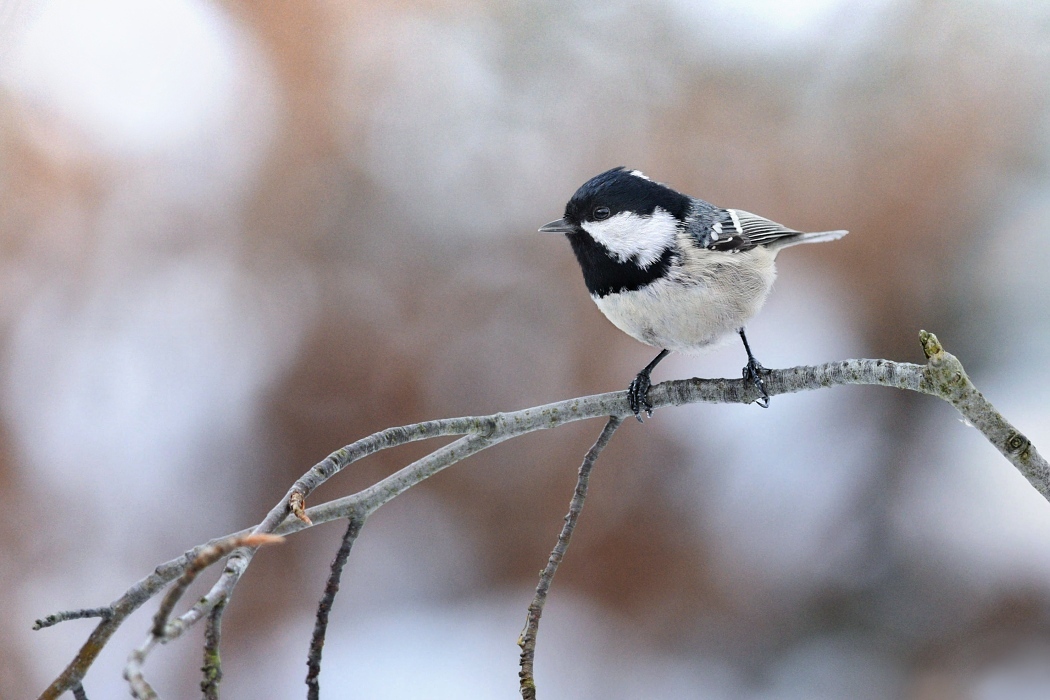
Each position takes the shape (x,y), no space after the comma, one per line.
(671,270)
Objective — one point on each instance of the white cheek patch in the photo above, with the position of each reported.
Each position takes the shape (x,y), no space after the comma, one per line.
(628,235)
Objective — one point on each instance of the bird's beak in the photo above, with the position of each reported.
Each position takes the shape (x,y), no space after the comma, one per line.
(559,226)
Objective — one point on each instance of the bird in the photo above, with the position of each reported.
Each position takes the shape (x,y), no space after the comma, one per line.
(673,271)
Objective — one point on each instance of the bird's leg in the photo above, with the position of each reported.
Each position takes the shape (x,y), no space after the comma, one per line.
(638,392)
(753,372)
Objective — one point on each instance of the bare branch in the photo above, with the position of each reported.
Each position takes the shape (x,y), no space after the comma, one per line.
(313,660)
(527,640)
(202,561)
(333,464)
(50,620)
(942,376)
(128,603)
(159,632)
(947,379)
(140,689)
(212,667)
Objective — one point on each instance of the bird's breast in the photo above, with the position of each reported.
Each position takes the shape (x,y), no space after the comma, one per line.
(696,304)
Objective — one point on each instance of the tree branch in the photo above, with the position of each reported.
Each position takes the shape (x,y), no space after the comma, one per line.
(159,632)
(212,668)
(65,615)
(942,376)
(324,608)
(527,640)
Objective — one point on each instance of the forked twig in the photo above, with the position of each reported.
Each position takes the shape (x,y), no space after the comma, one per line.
(160,632)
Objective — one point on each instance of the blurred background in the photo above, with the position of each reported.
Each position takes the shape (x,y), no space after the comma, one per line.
(236,236)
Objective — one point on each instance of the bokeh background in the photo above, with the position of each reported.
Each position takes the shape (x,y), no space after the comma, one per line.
(235,236)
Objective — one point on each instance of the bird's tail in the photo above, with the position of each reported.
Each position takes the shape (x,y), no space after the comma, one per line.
(818,237)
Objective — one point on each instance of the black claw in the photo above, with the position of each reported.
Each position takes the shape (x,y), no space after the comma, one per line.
(638,392)
(638,396)
(753,372)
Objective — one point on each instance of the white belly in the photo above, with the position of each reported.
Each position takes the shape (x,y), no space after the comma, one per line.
(696,306)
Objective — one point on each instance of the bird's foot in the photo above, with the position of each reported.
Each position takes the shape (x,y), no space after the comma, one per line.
(638,395)
(753,373)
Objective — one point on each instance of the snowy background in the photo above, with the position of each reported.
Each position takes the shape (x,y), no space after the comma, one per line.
(235,236)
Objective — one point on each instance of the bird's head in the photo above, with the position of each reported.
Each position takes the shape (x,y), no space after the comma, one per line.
(630,216)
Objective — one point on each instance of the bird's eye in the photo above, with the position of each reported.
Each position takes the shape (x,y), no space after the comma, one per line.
(601,213)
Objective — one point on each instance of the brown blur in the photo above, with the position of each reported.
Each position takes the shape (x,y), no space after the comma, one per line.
(184,329)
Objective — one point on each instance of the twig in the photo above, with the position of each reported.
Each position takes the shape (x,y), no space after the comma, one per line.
(129,602)
(140,689)
(50,620)
(146,588)
(946,378)
(338,460)
(159,631)
(942,376)
(313,660)
(527,640)
(212,668)
(201,562)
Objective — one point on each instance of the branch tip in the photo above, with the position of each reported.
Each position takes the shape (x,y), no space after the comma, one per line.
(261,540)
(297,504)
(931,347)
(51,620)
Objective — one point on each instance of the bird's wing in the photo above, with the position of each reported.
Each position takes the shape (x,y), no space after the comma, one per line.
(735,230)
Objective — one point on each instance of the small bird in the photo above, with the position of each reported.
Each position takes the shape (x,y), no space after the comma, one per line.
(673,271)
